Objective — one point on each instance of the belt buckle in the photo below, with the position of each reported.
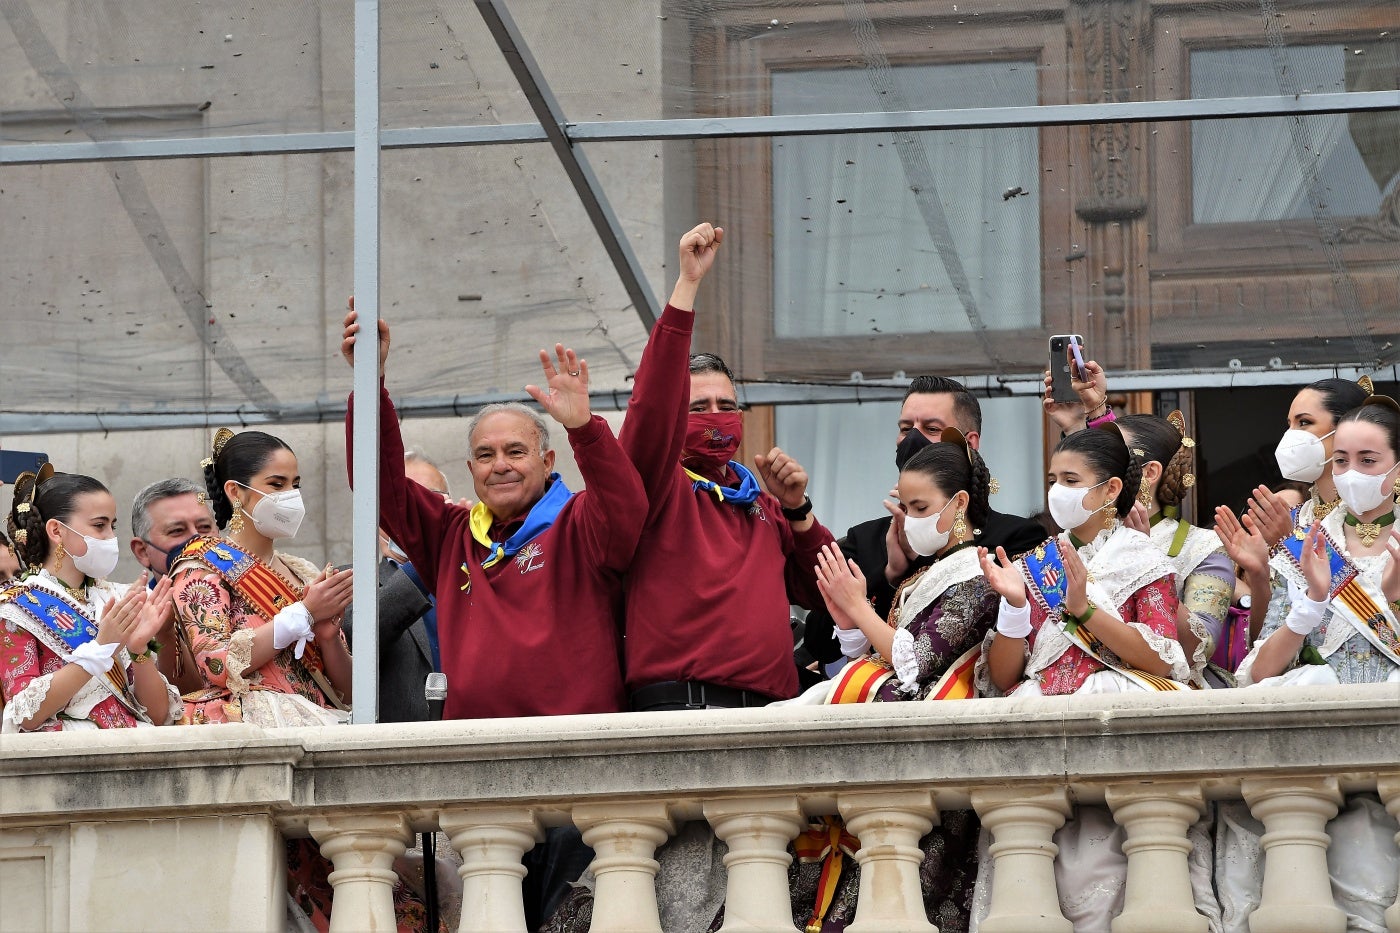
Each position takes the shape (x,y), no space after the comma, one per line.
(691,689)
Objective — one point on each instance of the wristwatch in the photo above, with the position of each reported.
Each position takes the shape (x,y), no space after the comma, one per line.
(799,513)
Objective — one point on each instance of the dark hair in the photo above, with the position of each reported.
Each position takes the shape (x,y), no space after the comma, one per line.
(954,468)
(239,460)
(1384,413)
(56,498)
(709,363)
(1339,396)
(966,408)
(1108,456)
(1159,440)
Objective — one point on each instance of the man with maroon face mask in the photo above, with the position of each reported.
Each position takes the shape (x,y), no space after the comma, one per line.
(725,549)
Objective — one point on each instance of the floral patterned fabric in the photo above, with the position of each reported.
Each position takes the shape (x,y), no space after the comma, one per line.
(27,666)
(218,623)
(1153,606)
(941,633)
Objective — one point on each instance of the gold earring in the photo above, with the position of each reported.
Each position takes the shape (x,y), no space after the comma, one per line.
(1145,496)
(1110,512)
(59,554)
(960,526)
(235,524)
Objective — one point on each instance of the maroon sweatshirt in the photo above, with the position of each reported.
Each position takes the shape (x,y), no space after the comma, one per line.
(709,590)
(533,637)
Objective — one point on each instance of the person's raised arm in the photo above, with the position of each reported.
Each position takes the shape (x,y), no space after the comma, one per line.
(1092,388)
(653,432)
(413,515)
(616,507)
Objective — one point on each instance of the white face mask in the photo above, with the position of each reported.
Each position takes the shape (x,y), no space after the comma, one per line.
(101,556)
(923,534)
(1066,505)
(1301,455)
(1363,492)
(277,514)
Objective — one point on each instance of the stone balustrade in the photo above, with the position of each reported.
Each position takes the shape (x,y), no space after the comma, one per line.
(180,828)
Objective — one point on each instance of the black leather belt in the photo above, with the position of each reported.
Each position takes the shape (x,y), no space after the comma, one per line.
(694,695)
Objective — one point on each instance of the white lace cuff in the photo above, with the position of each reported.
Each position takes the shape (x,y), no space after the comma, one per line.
(906,663)
(1013,621)
(1305,615)
(853,642)
(1168,649)
(94,658)
(292,625)
(23,705)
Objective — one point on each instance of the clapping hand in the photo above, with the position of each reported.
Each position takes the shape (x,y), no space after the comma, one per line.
(566,398)
(1270,515)
(1243,542)
(1003,576)
(841,584)
(1317,567)
(326,598)
(899,556)
(1076,582)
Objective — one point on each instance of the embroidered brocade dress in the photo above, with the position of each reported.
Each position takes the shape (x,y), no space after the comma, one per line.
(28,663)
(219,624)
(931,634)
(1205,586)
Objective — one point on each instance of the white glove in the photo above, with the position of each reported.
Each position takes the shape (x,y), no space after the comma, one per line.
(292,625)
(1014,621)
(853,642)
(94,658)
(1304,616)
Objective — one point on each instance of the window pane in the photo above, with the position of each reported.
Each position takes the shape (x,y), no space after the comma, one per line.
(1279,168)
(905,233)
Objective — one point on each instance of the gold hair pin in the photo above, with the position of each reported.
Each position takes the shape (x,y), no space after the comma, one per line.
(221,437)
(1367,385)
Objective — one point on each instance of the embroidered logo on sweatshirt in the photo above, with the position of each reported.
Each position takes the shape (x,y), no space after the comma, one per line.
(757,512)
(530,557)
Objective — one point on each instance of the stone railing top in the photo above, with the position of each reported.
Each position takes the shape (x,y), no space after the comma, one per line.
(1215,737)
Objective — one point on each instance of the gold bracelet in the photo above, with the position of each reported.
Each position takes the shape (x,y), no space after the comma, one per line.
(144,657)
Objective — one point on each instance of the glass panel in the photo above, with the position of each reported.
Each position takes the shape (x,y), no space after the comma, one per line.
(1280,168)
(74,70)
(908,233)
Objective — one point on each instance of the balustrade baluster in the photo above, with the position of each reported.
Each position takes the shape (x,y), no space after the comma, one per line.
(1023,823)
(1389,789)
(757,831)
(624,837)
(889,825)
(492,841)
(1156,818)
(362,848)
(1297,893)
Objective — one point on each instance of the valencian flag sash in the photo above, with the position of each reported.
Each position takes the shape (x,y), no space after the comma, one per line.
(826,842)
(1044,572)
(1349,597)
(63,625)
(957,681)
(859,680)
(260,585)
(541,516)
(743,494)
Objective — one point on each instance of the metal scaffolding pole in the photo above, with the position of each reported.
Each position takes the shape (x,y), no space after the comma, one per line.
(365,452)
(586,185)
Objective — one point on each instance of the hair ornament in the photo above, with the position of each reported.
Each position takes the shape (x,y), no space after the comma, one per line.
(207,462)
(1178,421)
(21,536)
(22,508)
(1188,481)
(1385,401)
(221,437)
(1367,385)
(993,487)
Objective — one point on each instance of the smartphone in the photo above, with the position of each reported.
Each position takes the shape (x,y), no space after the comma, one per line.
(1064,349)
(15,462)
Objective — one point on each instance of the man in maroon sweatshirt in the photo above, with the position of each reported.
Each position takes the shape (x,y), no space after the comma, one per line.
(529,580)
(721,559)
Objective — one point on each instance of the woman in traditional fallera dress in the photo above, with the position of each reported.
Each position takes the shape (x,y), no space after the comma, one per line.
(1204,573)
(263,626)
(939,619)
(1093,610)
(75,649)
(1303,454)
(1336,630)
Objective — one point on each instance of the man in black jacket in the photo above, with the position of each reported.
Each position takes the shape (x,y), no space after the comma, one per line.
(931,404)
